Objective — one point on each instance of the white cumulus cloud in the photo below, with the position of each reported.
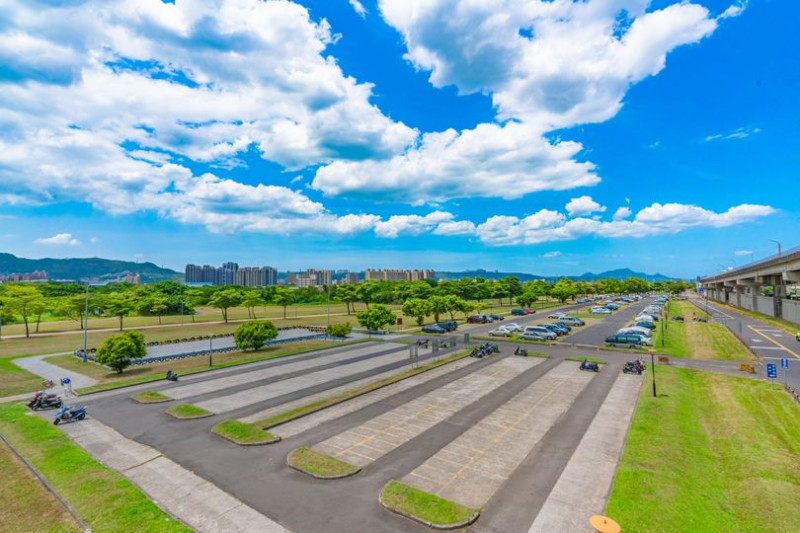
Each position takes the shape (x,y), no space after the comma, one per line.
(60,239)
(622,213)
(359,8)
(583,205)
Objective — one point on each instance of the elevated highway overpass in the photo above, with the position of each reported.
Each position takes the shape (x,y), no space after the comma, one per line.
(743,286)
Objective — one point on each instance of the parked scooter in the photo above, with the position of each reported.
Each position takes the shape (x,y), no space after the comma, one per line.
(633,367)
(42,400)
(590,366)
(520,351)
(172,376)
(66,414)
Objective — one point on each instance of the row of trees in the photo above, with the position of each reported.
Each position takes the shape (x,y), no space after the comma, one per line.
(28,303)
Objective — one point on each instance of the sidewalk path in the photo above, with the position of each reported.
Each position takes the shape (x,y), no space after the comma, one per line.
(194,501)
(40,367)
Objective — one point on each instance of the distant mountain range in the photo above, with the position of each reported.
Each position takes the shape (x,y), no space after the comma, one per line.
(94,268)
(620,273)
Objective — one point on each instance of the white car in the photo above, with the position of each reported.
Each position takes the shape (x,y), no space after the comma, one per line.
(637,330)
(600,310)
(556,316)
(512,326)
(500,332)
(544,332)
(647,341)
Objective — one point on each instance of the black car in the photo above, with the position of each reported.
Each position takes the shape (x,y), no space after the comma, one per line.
(497,317)
(518,312)
(555,329)
(449,325)
(433,328)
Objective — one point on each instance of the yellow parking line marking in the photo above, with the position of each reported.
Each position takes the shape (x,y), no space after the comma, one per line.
(773,341)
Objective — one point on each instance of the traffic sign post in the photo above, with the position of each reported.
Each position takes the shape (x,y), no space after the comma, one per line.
(772,372)
(785,367)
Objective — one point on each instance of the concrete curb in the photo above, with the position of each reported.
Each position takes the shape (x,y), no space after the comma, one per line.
(456,525)
(176,417)
(148,402)
(316,476)
(238,443)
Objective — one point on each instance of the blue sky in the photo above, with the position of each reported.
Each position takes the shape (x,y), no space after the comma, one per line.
(545,137)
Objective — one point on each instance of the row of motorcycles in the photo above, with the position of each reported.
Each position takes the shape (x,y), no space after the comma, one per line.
(44,400)
(484,350)
(633,367)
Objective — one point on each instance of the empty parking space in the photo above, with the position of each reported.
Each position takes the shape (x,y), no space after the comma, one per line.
(470,469)
(367,442)
(312,378)
(272,372)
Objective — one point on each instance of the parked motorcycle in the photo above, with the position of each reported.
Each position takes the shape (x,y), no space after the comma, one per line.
(172,376)
(633,367)
(520,351)
(66,414)
(590,366)
(42,400)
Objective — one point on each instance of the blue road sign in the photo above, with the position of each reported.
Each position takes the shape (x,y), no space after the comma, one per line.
(784,363)
(772,370)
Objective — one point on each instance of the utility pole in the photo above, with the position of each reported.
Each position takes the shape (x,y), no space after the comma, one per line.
(86,324)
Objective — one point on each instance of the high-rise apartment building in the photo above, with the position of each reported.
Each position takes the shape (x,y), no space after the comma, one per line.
(311,278)
(391,274)
(231,274)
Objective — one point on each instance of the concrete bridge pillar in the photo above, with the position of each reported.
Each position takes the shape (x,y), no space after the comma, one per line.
(778,294)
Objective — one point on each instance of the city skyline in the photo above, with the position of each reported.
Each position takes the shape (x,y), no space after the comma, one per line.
(587,136)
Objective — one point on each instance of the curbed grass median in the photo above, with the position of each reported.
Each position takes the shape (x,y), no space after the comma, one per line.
(187,411)
(150,396)
(319,465)
(243,434)
(425,507)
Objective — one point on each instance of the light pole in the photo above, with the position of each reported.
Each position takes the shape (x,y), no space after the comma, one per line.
(1,321)
(779,246)
(328,318)
(86,324)
(653,367)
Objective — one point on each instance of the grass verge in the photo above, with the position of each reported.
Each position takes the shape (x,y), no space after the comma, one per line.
(425,507)
(715,453)
(104,499)
(150,396)
(15,380)
(243,433)
(27,505)
(320,465)
(187,411)
(312,407)
(589,359)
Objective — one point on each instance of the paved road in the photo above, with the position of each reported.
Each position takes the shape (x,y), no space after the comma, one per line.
(769,343)
(216,344)
(40,367)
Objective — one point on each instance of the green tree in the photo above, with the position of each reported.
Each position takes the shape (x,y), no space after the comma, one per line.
(438,306)
(224,300)
(118,304)
(564,289)
(118,351)
(367,292)
(341,330)
(25,301)
(417,308)
(632,285)
(253,334)
(527,298)
(347,293)
(252,300)
(157,304)
(72,307)
(375,317)
(284,297)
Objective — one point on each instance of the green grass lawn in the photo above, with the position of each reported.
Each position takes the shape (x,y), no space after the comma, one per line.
(105,500)
(15,380)
(319,464)
(187,411)
(150,396)
(428,507)
(27,505)
(711,453)
(243,433)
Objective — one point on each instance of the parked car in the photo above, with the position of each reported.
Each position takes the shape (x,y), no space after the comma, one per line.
(555,329)
(600,310)
(529,311)
(500,332)
(512,326)
(532,336)
(546,333)
(497,317)
(565,327)
(479,319)
(557,315)
(624,340)
(637,331)
(449,325)
(518,312)
(433,328)
(571,321)
(612,306)
(645,324)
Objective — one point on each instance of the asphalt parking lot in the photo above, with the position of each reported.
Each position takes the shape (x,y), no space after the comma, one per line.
(497,433)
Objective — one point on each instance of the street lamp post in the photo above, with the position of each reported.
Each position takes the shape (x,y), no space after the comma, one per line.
(653,368)
(328,318)
(779,246)
(86,324)
(1,321)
